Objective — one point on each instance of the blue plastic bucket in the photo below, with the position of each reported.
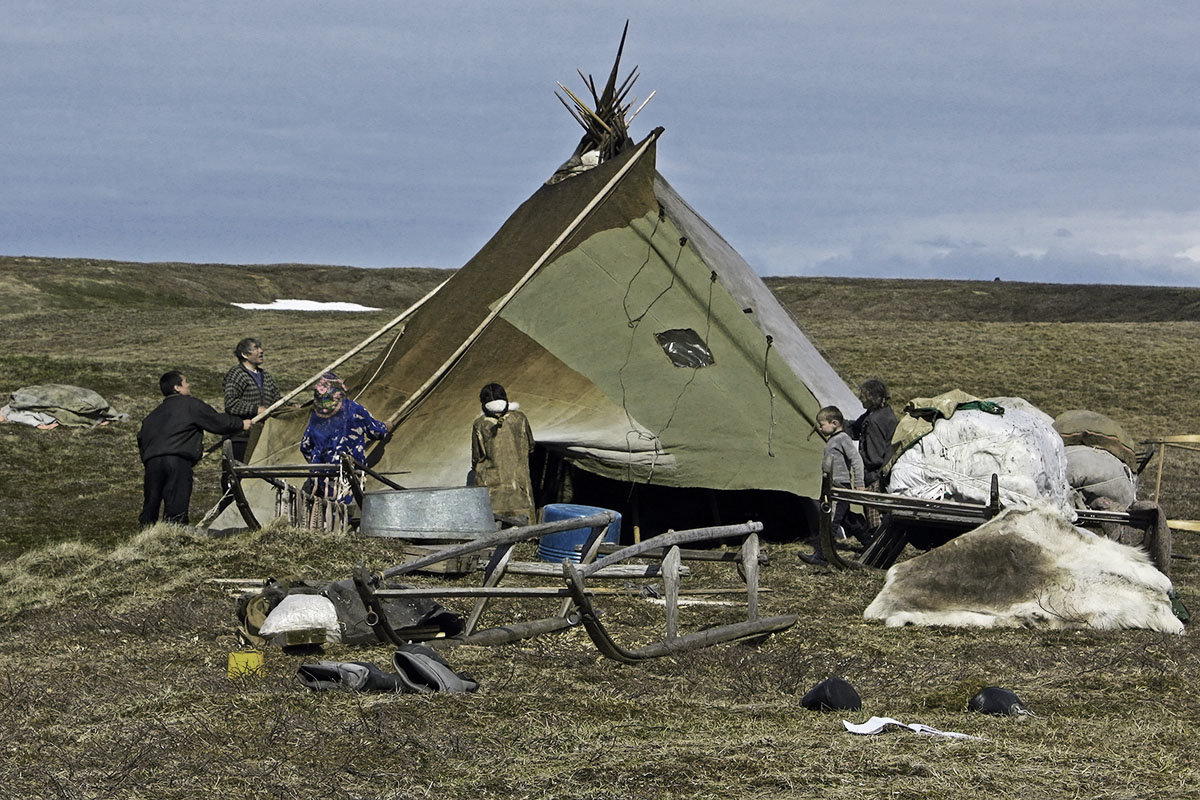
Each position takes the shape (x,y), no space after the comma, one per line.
(567,544)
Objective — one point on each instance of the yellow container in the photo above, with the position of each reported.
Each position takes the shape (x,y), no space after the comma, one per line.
(246,664)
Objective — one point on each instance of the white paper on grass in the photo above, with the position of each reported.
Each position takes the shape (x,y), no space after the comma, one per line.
(876,724)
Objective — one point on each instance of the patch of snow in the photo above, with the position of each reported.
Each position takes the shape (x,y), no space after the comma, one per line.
(303,305)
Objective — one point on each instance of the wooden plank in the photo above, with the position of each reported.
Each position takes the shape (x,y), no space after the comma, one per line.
(689,554)
(749,571)
(614,571)
(474,591)
(671,569)
(670,539)
(491,540)
(492,574)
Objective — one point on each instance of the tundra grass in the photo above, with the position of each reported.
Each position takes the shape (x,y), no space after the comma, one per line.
(113,669)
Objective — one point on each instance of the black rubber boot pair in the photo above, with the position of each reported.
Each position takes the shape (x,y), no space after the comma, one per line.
(419,670)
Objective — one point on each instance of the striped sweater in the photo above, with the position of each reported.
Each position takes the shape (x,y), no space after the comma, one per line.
(242,395)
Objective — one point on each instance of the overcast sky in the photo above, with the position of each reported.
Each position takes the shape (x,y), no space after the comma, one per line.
(1041,140)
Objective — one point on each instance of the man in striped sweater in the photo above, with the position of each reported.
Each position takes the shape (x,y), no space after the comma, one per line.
(249,389)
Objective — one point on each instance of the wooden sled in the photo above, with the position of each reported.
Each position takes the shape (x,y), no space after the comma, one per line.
(577,597)
(298,507)
(748,564)
(950,518)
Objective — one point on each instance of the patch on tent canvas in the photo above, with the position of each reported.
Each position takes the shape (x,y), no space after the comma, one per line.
(1028,568)
(685,348)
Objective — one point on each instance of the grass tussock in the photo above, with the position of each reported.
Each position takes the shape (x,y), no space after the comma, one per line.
(113,673)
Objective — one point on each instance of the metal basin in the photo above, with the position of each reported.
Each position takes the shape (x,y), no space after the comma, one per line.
(453,513)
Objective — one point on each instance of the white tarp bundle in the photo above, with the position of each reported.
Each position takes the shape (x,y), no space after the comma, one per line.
(956,460)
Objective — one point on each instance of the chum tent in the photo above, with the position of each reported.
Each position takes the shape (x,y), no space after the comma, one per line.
(644,350)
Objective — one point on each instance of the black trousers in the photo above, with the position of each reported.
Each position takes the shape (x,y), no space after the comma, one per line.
(239,447)
(851,523)
(168,484)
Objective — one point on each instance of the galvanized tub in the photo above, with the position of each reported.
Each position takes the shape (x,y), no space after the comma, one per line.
(453,513)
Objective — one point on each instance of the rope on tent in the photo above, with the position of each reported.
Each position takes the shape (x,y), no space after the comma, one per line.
(771,394)
(707,327)
(633,321)
(383,360)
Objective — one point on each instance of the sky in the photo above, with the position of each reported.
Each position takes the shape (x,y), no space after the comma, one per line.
(1027,140)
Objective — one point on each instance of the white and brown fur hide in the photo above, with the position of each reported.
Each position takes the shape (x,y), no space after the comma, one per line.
(1028,568)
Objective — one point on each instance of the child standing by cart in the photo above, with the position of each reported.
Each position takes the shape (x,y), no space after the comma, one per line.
(844,466)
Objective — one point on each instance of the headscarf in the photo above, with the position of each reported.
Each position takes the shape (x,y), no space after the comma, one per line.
(328,393)
(494,400)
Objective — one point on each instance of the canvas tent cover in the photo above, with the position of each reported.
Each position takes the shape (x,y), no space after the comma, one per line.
(589,347)
(59,402)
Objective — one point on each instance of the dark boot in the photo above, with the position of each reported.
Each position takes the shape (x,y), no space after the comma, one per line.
(816,558)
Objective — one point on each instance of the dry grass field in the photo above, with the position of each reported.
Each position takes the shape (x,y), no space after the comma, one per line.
(113,664)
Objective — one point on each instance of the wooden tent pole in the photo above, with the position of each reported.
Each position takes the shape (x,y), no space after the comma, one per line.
(352,352)
(1162,456)
(420,393)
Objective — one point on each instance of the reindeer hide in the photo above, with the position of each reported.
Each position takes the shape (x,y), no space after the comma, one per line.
(1028,568)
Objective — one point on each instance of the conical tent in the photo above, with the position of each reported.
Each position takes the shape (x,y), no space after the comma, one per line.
(641,346)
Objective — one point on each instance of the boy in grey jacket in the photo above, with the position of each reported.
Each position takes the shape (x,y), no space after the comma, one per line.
(844,466)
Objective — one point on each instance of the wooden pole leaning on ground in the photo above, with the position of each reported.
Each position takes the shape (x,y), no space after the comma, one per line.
(423,390)
(408,312)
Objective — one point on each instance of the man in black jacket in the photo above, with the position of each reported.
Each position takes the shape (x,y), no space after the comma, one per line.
(171,441)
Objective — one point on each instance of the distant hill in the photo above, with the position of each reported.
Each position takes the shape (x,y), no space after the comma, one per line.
(41,284)
(985,301)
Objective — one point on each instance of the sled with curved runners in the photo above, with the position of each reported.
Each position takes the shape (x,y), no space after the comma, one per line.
(580,591)
(938,521)
(300,508)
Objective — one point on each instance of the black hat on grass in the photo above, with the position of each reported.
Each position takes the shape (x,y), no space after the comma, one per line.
(832,694)
(995,700)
